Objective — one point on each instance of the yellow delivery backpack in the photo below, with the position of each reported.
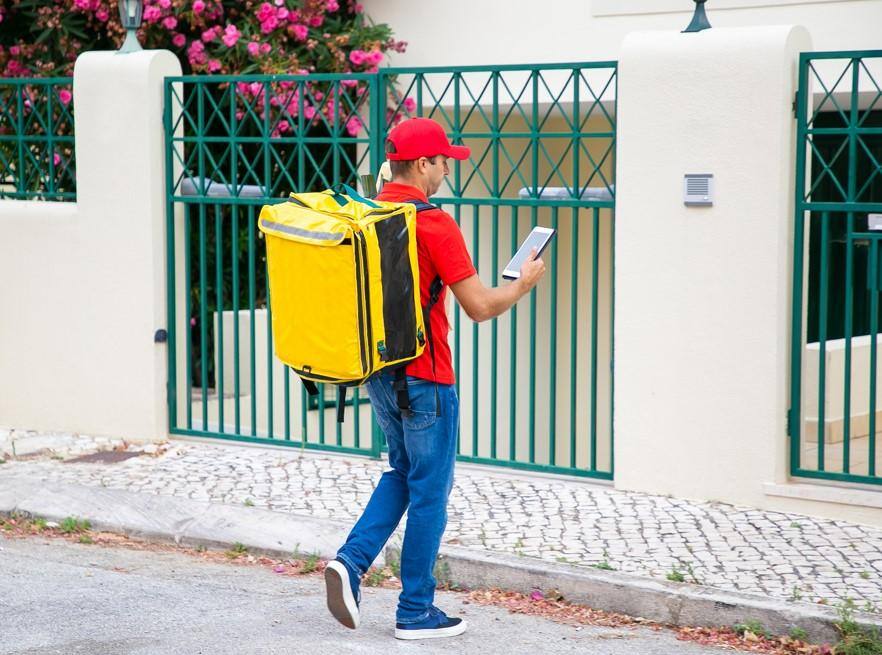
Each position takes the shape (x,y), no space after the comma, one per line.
(345,288)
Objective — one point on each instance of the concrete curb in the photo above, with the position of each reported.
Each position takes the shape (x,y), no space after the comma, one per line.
(189,522)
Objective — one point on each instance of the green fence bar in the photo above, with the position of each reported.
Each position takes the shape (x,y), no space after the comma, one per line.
(822,336)
(838,183)
(552,349)
(237,388)
(219,299)
(574,328)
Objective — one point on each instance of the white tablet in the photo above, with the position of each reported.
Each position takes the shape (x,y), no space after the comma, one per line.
(538,239)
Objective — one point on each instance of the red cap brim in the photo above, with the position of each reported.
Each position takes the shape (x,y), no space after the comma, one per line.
(458,152)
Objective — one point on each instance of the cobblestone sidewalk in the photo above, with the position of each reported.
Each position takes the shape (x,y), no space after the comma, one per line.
(787,556)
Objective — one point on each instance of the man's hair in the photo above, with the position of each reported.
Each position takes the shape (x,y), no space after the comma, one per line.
(401,168)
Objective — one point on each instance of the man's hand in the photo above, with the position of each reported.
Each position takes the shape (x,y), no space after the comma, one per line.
(531,272)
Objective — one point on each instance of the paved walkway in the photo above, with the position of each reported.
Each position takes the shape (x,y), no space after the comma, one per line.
(787,556)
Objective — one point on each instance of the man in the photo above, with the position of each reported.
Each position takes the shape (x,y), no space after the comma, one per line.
(422,444)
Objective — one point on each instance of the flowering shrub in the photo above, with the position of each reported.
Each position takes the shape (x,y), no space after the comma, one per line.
(40,38)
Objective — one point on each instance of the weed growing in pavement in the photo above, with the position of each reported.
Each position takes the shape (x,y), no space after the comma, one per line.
(310,563)
(796,594)
(249,502)
(72,524)
(86,539)
(856,640)
(796,525)
(603,565)
(237,550)
(798,633)
(691,572)
(865,575)
(200,548)
(752,626)
(375,577)
(675,576)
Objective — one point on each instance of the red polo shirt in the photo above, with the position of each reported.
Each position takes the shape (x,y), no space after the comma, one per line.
(442,252)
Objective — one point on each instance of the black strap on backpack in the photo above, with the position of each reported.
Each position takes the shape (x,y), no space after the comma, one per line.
(402,396)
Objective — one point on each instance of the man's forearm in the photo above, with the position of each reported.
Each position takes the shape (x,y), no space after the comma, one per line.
(498,300)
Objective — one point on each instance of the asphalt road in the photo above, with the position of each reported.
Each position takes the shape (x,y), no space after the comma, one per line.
(65,598)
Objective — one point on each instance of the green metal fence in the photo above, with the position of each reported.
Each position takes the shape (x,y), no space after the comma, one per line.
(535,384)
(837,276)
(37,139)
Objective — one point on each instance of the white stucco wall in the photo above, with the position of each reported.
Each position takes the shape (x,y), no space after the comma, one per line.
(704,415)
(83,283)
(521,31)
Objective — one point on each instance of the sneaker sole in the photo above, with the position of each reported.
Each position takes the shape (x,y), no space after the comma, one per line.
(435,633)
(340,601)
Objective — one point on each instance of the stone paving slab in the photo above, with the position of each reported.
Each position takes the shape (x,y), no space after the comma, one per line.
(780,555)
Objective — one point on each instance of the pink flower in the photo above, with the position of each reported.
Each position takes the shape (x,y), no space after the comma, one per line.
(198,7)
(316,21)
(211,34)
(265,11)
(282,14)
(102,15)
(253,48)
(15,51)
(65,96)
(374,57)
(152,14)
(309,112)
(56,159)
(165,4)
(357,9)
(179,40)
(256,88)
(214,65)
(196,54)
(284,126)
(265,48)
(409,105)
(332,5)
(82,5)
(299,32)
(231,36)
(353,126)
(349,83)
(170,23)
(358,57)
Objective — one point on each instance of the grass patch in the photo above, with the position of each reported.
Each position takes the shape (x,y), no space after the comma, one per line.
(237,550)
(74,525)
(753,627)
(855,640)
(676,576)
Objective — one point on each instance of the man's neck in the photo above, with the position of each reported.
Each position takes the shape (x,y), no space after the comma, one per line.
(410,182)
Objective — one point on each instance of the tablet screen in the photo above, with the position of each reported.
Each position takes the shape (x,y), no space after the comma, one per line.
(538,239)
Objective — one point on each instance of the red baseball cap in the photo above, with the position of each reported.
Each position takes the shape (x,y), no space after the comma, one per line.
(422,137)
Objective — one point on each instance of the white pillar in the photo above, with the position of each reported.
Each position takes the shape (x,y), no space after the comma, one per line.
(86,282)
(703,293)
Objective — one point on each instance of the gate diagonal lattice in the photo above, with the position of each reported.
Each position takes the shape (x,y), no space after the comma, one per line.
(535,385)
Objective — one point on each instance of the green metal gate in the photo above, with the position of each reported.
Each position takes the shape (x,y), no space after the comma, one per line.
(535,385)
(837,272)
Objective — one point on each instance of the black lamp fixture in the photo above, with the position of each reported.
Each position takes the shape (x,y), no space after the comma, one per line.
(699,18)
(130,12)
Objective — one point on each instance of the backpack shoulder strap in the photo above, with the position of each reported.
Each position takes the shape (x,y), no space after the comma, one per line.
(420,205)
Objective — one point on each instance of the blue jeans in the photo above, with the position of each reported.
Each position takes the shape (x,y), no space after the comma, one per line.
(422,452)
